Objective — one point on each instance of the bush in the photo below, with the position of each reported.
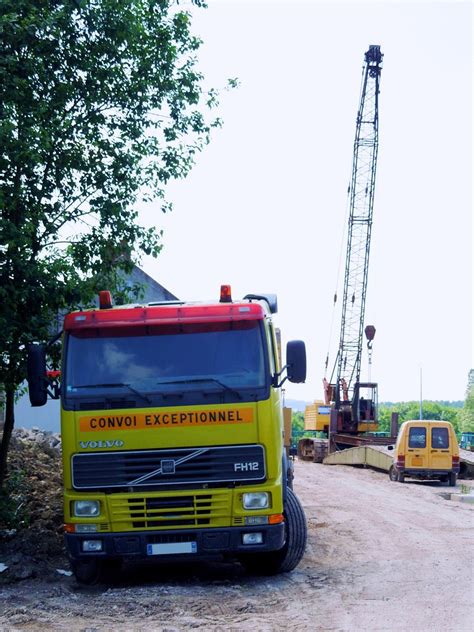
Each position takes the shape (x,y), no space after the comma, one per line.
(13,502)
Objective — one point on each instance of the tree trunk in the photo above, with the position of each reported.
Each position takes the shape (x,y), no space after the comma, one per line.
(7,433)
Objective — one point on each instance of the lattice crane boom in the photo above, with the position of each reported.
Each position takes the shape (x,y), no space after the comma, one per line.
(361,203)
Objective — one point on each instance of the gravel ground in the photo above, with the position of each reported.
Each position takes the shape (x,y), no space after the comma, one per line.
(381,556)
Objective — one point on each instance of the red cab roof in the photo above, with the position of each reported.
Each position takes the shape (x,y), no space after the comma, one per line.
(163,314)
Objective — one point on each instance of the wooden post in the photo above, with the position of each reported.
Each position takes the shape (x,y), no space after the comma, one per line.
(394,425)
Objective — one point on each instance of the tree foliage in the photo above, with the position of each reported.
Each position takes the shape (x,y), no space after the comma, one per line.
(297,421)
(466,415)
(411,410)
(101,104)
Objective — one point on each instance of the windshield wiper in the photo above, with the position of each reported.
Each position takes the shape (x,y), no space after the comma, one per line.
(116,385)
(198,380)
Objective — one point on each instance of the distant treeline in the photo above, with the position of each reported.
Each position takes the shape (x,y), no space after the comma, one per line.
(456,404)
(459,413)
(439,410)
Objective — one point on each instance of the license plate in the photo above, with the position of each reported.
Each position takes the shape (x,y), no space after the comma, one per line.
(171,548)
(417,460)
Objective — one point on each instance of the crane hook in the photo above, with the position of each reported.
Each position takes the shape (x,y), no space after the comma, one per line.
(369,334)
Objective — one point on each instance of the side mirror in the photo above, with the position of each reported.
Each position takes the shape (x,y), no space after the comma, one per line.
(36,375)
(296,361)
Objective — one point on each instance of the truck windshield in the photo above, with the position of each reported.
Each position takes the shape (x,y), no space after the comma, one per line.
(171,361)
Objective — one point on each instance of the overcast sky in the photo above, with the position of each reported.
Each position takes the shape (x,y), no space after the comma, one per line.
(265,207)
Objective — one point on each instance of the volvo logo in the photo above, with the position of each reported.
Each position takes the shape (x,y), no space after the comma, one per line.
(168,466)
(109,443)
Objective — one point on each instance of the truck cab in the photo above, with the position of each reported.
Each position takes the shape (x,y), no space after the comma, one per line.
(172,434)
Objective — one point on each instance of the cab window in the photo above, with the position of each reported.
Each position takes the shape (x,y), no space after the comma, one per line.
(272,337)
(440,438)
(417,437)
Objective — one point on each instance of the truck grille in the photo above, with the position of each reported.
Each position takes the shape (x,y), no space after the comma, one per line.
(164,512)
(156,468)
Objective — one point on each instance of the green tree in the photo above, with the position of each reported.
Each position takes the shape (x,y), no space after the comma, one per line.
(411,410)
(297,422)
(101,105)
(384,418)
(466,414)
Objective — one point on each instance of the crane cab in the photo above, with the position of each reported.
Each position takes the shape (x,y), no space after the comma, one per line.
(365,406)
(358,413)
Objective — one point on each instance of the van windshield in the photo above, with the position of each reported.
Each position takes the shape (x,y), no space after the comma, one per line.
(167,361)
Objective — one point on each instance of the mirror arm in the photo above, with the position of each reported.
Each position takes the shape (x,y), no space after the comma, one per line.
(52,387)
(54,339)
(54,391)
(275,381)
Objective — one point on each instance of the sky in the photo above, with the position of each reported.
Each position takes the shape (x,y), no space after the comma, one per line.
(265,207)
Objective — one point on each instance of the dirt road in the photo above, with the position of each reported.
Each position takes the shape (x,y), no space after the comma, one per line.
(380,556)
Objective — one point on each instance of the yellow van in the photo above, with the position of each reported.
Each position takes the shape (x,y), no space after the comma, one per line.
(426,449)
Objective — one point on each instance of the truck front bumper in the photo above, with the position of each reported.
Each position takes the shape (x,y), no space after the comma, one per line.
(172,545)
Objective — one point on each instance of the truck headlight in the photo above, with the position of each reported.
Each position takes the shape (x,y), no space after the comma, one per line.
(92,546)
(256,500)
(86,508)
(252,538)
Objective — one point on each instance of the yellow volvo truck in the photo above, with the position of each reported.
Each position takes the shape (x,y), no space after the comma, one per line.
(172,434)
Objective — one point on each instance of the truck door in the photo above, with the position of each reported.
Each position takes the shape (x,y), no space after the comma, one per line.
(440,450)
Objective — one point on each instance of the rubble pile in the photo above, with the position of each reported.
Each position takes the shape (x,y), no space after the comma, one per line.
(31,534)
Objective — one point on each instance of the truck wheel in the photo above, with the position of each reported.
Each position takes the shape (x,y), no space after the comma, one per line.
(289,556)
(401,477)
(290,475)
(392,473)
(452,479)
(93,571)
(86,571)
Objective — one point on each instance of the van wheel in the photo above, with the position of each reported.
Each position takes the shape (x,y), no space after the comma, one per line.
(289,556)
(393,474)
(401,477)
(452,479)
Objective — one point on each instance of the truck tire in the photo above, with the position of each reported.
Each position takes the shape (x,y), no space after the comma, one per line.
(93,571)
(288,557)
(401,477)
(452,479)
(86,571)
(290,475)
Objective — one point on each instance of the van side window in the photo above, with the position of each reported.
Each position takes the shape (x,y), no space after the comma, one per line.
(417,437)
(439,438)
